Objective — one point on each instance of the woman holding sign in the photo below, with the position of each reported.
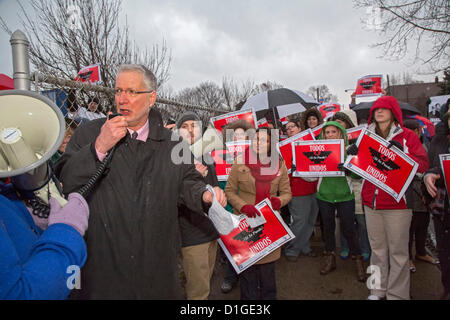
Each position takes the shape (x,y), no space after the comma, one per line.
(258,175)
(388,221)
(336,194)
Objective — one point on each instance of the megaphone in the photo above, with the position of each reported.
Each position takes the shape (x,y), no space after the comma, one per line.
(210,141)
(32,128)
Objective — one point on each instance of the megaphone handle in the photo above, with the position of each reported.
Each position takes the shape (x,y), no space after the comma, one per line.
(48,191)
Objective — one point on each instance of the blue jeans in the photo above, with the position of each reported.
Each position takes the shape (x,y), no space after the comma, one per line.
(361,235)
(304,210)
(346,213)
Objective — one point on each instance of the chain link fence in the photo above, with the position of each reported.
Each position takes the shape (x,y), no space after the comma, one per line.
(81,102)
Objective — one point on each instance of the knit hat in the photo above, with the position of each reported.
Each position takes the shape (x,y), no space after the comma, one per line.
(186,116)
(347,116)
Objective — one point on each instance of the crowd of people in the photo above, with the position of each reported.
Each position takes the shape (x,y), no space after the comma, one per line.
(148,214)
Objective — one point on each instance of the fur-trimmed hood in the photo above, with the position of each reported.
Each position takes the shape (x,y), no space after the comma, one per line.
(311,111)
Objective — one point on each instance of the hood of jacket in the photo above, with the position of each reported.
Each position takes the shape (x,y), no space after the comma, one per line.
(311,111)
(387,102)
(337,125)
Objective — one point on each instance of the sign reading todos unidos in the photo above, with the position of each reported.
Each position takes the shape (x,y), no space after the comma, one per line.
(369,86)
(221,121)
(389,169)
(244,246)
(224,159)
(285,146)
(318,158)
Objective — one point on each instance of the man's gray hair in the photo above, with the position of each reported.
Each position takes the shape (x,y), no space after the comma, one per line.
(148,76)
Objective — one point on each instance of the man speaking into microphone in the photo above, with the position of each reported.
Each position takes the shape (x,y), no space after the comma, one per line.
(133,238)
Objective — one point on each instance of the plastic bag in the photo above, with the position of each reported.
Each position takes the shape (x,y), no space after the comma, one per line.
(223,220)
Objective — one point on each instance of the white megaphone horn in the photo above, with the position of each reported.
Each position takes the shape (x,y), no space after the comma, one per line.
(211,140)
(31,130)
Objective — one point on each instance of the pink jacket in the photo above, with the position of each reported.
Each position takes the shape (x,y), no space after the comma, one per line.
(374,197)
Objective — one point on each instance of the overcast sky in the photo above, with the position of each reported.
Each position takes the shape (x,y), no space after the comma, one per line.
(297,43)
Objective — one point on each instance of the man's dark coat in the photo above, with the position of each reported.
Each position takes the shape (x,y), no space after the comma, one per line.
(133,237)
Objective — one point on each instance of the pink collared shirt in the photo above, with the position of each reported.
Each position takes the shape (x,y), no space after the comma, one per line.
(142,136)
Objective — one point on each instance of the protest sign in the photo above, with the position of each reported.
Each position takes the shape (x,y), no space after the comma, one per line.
(355,132)
(244,246)
(369,86)
(445,166)
(317,130)
(329,109)
(262,123)
(224,159)
(389,169)
(89,74)
(221,121)
(285,146)
(318,158)
(434,108)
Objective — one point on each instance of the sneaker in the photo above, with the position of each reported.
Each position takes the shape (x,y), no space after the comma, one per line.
(374,297)
(412,267)
(344,254)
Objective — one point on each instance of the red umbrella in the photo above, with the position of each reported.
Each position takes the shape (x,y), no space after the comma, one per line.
(6,83)
(425,123)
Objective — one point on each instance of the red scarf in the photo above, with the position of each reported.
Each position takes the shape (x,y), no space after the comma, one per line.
(263,174)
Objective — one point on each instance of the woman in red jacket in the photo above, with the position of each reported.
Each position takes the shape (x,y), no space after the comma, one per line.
(388,221)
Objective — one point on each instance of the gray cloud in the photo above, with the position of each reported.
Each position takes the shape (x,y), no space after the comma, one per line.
(295,43)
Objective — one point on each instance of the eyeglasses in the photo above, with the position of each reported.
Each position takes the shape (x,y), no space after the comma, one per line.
(290,127)
(129,92)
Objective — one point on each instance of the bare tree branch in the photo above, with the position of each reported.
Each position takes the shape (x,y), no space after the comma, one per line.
(425,23)
(57,48)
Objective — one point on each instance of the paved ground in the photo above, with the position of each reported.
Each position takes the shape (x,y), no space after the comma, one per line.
(301,281)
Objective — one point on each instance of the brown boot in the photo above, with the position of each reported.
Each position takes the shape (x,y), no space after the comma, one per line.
(360,274)
(329,262)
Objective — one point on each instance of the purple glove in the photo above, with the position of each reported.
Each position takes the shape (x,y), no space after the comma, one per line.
(75,213)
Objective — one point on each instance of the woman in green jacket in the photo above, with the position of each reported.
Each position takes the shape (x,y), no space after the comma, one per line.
(336,194)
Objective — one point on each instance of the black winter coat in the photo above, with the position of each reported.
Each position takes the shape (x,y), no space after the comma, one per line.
(440,144)
(133,238)
(196,228)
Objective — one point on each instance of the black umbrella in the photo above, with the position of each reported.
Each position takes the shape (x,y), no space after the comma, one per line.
(293,100)
(362,109)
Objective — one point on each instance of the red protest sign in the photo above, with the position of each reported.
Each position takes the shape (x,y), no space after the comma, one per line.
(329,109)
(285,146)
(224,159)
(89,74)
(244,246)
(369,86)
(445,166)
(389,169)
(354,133)
(317,130)
(221,121)
(318,158)
(262,123)
(237,147)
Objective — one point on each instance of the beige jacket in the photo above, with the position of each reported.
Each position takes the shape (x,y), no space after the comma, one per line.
(240,190)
